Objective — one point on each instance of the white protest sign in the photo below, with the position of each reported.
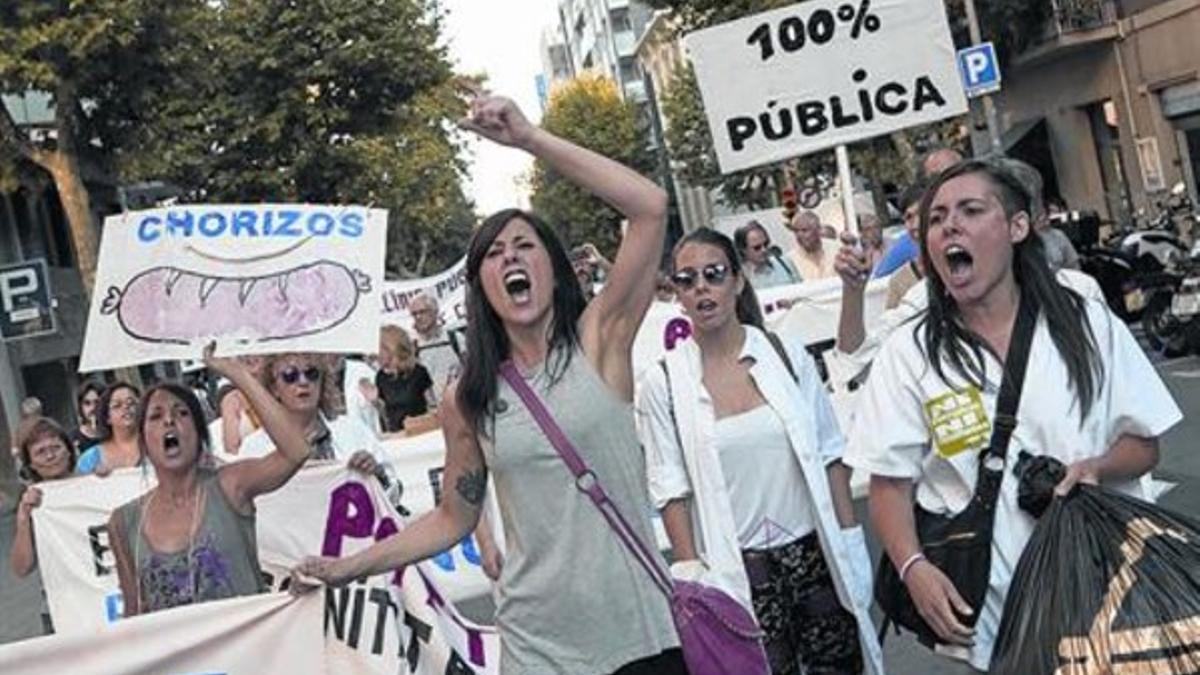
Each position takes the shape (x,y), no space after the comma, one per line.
(449,288)
(255,278)
(819,74)
(270,633)
(396,622)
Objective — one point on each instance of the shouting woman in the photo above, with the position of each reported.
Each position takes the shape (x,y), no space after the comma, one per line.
(1097,405)
(192,537)
(571,598)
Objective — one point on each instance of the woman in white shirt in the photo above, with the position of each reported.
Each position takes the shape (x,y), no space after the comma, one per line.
(1091,398)
(744,461)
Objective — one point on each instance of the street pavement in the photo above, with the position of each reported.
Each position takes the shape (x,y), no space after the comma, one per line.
(1180,466)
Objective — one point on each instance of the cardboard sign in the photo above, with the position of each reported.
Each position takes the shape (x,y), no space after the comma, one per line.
(449,288)
(256,279)
(812,76)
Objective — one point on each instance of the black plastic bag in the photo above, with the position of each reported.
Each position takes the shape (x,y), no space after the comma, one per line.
(1108,584)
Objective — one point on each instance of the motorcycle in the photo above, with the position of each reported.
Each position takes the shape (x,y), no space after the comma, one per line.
(1115,267)
(1171,319)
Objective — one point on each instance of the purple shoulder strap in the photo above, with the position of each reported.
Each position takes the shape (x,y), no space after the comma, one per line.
(585,479)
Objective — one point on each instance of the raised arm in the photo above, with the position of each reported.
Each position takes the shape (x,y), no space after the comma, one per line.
(610,323)
(243,481)
(436,531)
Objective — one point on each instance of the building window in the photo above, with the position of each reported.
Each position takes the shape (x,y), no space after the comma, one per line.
(620,20)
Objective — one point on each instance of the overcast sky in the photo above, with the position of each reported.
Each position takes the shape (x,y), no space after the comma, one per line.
(500,38)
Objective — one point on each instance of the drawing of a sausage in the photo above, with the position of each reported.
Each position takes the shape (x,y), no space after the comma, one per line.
(174,306)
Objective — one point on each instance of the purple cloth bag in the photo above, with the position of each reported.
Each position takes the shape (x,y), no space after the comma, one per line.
(718,635)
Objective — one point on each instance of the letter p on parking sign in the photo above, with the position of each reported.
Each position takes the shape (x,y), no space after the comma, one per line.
(980,69)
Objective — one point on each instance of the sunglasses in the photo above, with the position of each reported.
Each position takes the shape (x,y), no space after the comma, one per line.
(292,374)
(714,275)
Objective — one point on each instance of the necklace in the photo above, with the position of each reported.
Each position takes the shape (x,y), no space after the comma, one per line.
(137,546)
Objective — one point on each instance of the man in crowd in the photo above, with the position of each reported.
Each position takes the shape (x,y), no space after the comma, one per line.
(437,349)
(765,268)
(905,249)
(813,256)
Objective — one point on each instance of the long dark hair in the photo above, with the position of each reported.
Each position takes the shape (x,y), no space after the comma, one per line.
(748,310)
(487,340)
(194,407)
(105,406)
(947,336)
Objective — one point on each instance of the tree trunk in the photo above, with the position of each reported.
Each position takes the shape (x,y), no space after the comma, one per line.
(64,168)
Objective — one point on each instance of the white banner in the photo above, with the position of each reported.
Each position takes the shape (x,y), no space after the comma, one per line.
(819,74)
(273,633)
(397,622)
(449,288)
(255,278)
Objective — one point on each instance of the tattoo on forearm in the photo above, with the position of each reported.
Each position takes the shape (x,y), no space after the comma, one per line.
(472,485)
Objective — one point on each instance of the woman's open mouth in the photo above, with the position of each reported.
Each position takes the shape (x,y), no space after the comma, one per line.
(171,447)
(960,263)
(518,286)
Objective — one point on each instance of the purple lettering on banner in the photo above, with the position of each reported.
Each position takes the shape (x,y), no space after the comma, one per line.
(677,331)
(474,637)
(351,514)
(387,527)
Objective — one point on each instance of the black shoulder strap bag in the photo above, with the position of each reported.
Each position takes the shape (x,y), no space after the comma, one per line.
(961,545)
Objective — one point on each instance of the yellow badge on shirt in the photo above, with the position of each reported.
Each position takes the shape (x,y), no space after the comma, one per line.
(958,422)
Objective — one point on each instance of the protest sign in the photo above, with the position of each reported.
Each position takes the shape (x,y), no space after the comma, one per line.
(272,633)
(449,288)
(812,76)
(396,622)
(256,279)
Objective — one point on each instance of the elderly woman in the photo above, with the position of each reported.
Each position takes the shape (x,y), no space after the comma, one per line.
(192,537)
(46,455)
(306,387)
(116,415)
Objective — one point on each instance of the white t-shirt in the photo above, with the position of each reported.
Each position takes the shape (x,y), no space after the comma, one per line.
(357,405)
(441,358)
(895,432)
(771,505)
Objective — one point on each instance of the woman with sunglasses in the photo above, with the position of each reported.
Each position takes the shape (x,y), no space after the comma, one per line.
(46,455)
(116,415)
(87,433)
(744,458)
(1091,398)
(192,538)
(571,598)
(306,387)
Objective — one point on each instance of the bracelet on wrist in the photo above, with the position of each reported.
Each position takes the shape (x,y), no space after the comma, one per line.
(908,564)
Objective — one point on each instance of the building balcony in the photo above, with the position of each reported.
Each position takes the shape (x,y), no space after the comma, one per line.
(1073,25)
(1073,16)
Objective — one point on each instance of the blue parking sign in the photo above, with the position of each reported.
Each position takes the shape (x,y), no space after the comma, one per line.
(980,69)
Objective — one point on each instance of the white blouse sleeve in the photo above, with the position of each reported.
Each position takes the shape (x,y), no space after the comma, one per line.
(665,469)
(890,435)
(1138,401)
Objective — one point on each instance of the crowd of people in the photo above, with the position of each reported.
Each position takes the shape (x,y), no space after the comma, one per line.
(731,438)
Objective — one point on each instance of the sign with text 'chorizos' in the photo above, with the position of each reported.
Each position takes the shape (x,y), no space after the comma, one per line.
(819,74)
(254,278)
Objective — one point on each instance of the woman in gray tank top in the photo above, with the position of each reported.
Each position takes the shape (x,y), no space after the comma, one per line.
(570,598)
(191,538)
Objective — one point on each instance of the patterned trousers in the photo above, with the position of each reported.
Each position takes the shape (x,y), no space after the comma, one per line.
(807,629)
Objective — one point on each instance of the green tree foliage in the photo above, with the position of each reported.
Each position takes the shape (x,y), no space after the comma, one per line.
(95,59)
(334,102)
(588,111)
